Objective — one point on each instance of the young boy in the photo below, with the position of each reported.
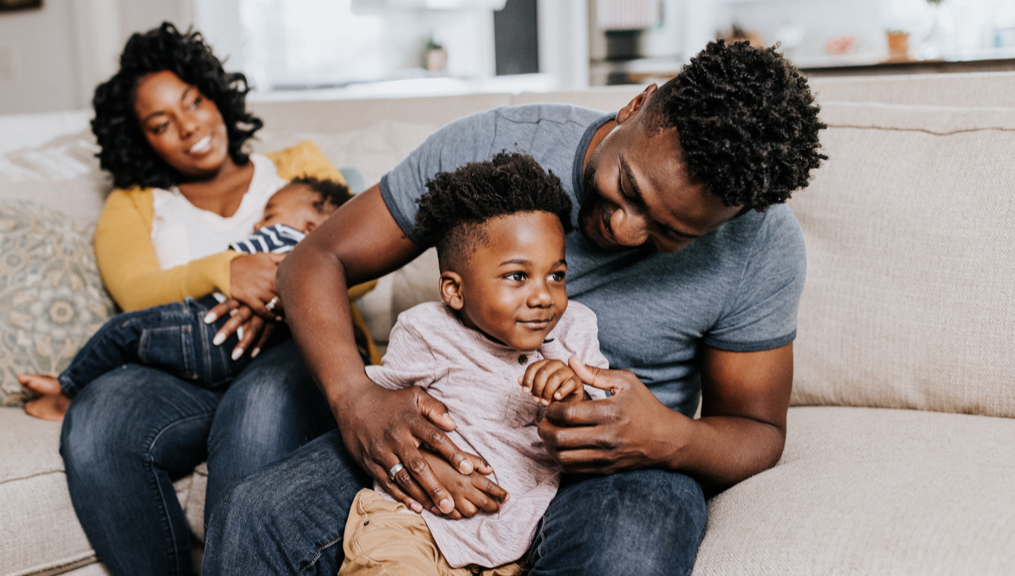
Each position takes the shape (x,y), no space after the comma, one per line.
(175,337)
(495,352)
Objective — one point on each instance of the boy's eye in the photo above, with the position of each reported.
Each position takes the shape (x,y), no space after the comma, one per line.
(557,276)
(516,276)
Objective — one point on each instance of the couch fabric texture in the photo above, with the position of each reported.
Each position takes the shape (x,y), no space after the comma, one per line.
(898,458)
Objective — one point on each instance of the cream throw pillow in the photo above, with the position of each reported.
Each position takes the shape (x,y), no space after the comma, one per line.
(910,233)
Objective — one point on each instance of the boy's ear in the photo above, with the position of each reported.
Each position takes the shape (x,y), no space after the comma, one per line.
(310,226)
(451,290)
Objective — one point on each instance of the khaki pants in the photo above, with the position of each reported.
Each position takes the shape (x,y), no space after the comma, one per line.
(382,537)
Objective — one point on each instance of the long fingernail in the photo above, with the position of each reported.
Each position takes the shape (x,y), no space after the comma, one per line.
(237,352)
(255,352)
(219,338)
(210,317)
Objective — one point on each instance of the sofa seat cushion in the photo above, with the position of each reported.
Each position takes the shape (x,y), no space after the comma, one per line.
(873,491)
(40,532)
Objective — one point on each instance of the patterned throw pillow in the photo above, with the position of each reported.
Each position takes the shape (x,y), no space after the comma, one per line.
(51,296)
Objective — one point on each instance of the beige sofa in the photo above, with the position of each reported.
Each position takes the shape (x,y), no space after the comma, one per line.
(900,457)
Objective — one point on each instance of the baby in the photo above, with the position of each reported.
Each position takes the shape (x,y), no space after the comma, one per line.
(174,337)
(495,352)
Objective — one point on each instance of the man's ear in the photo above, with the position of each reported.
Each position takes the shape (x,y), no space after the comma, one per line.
(636,104)
(451,290)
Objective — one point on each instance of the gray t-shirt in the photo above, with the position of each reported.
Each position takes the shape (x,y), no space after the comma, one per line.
(737,288)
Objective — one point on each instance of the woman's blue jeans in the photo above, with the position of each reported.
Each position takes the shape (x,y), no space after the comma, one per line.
(129,434)
(289,518)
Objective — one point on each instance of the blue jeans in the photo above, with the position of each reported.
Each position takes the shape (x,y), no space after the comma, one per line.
(133,431)
(289,518)
(172,337)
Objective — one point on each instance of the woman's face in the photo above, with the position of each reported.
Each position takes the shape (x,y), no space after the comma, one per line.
(184,127)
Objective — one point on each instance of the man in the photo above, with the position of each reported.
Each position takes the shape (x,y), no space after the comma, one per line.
(694,267)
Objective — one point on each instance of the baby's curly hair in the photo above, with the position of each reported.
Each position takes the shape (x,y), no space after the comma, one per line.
(125,152)
(332,194)
(457,203)
(747,123)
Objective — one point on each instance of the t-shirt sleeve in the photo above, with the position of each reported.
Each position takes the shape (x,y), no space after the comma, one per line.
(582,341)
(456,144)
(407,362)
(763,310)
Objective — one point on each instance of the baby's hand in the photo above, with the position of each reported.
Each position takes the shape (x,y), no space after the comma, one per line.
(551,380)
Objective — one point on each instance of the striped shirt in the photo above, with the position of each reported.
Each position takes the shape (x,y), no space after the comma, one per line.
(277,239)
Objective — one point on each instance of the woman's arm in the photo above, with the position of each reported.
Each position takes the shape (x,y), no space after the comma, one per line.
(130,268)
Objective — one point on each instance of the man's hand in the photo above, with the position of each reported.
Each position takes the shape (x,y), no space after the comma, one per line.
(551,380)
(382,428)
(631,429)
(471,492)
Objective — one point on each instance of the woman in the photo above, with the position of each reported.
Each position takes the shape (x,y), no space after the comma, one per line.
(171,125)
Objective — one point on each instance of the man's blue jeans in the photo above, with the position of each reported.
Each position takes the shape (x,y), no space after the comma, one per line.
(289,519)
(133,431)
(172,337)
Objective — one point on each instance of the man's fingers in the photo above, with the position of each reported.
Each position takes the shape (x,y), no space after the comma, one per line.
(479,464)
(422,474)
(588,374)
(436,439)
(584,413)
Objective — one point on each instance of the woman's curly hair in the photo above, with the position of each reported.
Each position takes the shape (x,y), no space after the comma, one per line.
(747,123)
(124,150)
(457,203)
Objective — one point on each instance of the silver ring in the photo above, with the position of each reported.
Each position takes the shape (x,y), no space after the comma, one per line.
(271,304)
(395,470)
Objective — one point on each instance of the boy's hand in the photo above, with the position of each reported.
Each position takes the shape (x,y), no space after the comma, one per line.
(551,380)
(472,493)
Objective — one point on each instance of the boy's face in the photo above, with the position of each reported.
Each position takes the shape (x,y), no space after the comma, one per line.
(293,206)
(512,288)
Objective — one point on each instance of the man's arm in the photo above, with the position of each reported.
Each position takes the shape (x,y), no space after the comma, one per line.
(741,432)
(380,428)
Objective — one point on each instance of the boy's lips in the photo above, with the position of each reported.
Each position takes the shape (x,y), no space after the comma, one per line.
(539,323)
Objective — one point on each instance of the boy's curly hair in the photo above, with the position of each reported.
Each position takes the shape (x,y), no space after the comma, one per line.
(125,152)
(332,194)
(747,123)
(457,203)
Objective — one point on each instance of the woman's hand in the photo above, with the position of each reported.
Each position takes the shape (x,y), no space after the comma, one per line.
(252,281)
(245,323)
(471,492)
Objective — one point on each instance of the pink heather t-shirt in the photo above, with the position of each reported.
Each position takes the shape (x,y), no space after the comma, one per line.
(477,379)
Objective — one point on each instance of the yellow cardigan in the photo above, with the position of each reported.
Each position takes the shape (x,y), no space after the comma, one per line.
(128,264)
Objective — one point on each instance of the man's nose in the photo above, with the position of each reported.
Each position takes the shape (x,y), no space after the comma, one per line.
(629,226)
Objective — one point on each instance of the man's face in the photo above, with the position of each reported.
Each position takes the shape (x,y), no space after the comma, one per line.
(638,189)
(512,288)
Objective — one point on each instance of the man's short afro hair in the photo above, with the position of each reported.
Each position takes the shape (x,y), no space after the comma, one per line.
(747,123)
(124,150)
(457,203)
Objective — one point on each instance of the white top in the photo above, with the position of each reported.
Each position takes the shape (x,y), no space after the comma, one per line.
(477,380)
(182,232)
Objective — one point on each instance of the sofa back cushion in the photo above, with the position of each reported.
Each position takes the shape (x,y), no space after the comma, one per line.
(910,296)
